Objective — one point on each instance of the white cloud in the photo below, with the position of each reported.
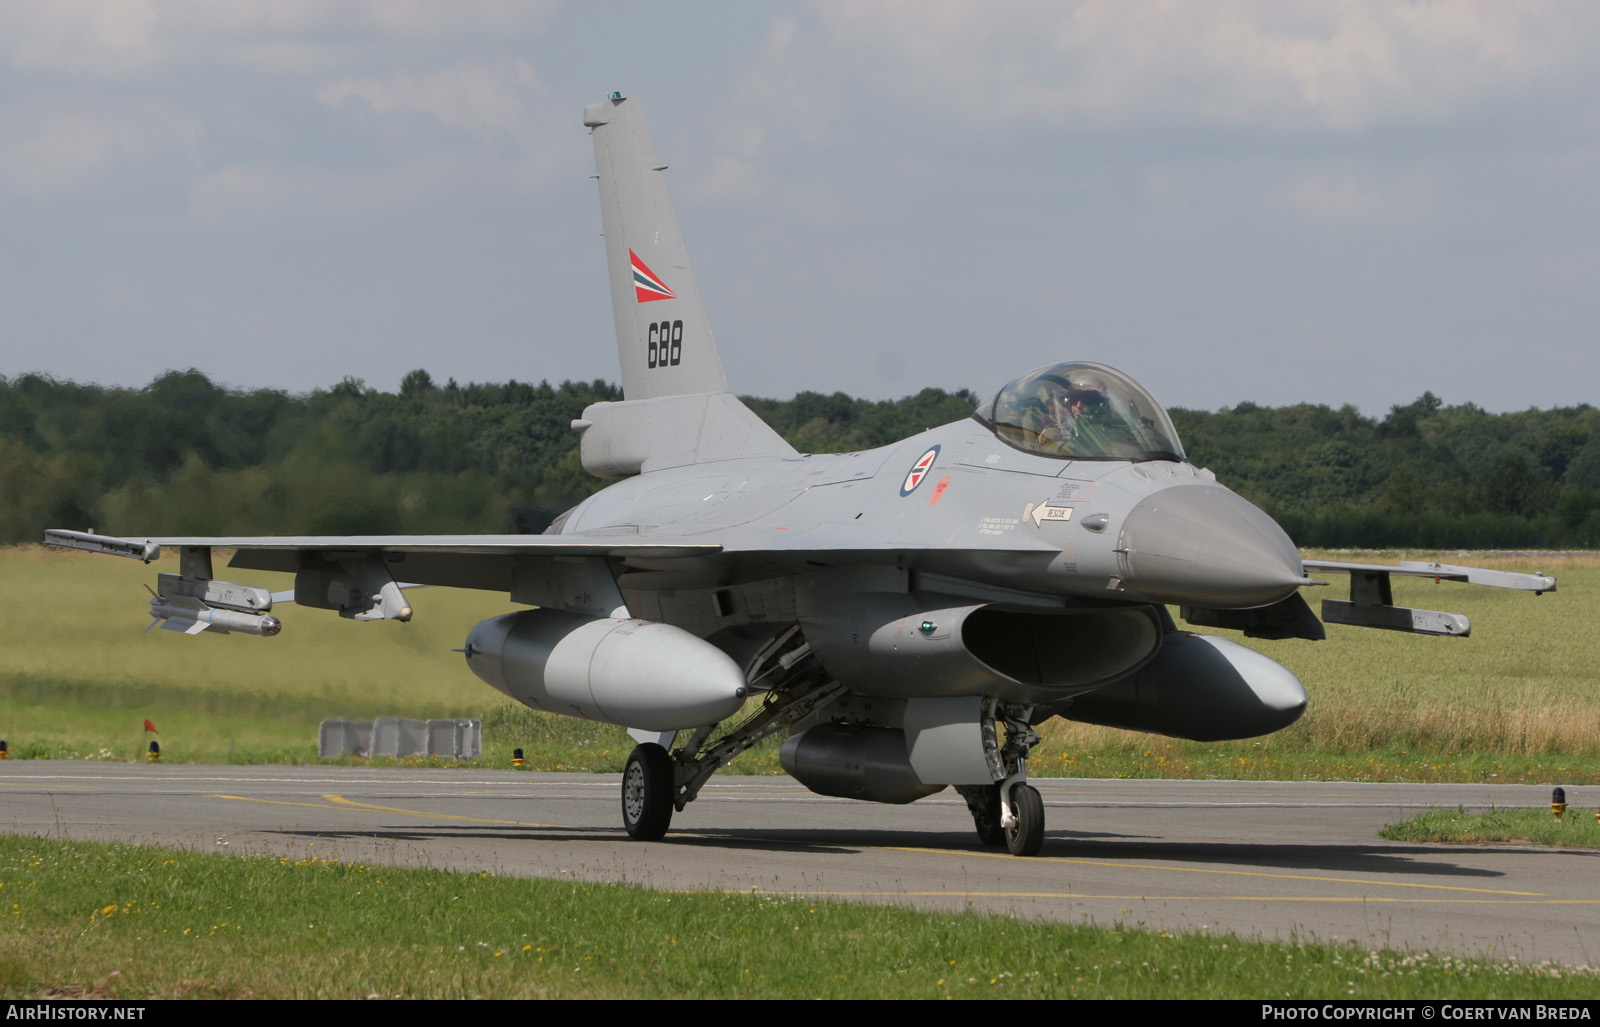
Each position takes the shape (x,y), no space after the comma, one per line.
(778,88)
(110,38)
(248,194)
(1342,65)
(426,19)
(94,37)
(253,193)
(63,151)
(521,130)
(51,152)
(474,97)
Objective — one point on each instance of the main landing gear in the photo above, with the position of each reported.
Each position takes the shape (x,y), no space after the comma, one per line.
(647,788)
(1010,811)
(655,782)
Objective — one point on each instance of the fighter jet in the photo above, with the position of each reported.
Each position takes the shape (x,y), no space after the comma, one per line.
(906,615)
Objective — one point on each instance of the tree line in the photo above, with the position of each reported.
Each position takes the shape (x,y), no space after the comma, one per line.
(184,455)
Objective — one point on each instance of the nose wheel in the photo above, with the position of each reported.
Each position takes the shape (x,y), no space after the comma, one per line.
(1025,834)
(647,792)
(1010,811)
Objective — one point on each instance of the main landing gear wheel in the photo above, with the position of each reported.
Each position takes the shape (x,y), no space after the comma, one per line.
(647,792)
(1026,836)
(988,820)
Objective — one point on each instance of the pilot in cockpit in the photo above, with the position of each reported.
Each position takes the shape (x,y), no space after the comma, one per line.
(1072,419)
(1081,411)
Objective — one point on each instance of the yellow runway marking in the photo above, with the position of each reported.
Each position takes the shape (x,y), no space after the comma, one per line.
(425,814)
(1242,873)
(339,802)
(271,802)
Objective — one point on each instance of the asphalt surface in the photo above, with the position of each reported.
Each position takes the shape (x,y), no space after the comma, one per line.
(1270,859)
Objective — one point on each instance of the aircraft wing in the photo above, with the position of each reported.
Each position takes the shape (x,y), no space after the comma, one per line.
(608,545)
(363,576)
(1371,602)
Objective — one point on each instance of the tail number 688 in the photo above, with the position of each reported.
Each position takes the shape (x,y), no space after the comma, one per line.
(664,343)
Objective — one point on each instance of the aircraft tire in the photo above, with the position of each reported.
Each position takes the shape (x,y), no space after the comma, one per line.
(1027,836)
(647,792)
(988,822)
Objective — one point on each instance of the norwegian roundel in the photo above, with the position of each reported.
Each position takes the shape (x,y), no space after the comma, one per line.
(919,471)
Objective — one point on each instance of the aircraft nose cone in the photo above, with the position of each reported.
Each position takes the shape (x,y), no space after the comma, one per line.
(1202,545)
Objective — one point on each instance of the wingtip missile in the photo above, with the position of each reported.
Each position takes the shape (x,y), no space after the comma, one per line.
(92,543)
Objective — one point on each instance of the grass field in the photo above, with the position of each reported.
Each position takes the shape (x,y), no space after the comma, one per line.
(1577,828)
(1518,701)
(83,920)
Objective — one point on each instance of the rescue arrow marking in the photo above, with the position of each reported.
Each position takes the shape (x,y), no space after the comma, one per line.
(1044,512)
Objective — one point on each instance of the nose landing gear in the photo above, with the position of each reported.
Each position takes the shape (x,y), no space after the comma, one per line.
(1009,812)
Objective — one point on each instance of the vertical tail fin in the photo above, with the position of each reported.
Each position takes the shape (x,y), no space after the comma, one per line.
(677,408)
(663,337)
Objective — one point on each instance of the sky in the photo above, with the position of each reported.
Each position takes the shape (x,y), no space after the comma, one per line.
(1335,202)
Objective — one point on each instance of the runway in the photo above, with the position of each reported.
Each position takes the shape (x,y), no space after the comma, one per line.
(1270,859)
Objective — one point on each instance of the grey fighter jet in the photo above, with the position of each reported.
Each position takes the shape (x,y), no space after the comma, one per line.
(906,615)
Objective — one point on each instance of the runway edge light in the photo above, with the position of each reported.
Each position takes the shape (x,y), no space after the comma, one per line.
(1558,802)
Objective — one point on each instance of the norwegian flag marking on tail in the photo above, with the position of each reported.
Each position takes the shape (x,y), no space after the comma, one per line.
(646,286)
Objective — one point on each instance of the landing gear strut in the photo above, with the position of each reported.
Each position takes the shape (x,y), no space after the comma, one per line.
(655,783)
(1010,811)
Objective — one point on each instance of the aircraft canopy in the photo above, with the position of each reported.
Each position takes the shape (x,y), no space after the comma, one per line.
(1082,411)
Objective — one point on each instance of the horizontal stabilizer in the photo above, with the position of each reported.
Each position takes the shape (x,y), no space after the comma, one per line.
(622,439)
(1539,583)
(1371,605)
(1395,618)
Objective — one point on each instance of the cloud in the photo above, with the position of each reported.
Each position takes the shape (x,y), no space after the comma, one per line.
(473,97)
(778,88)
(1351,196)
(64,151)
(1345,65)
(267,193)
(93,37)
(519,131)
(111,38)
(53,151)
